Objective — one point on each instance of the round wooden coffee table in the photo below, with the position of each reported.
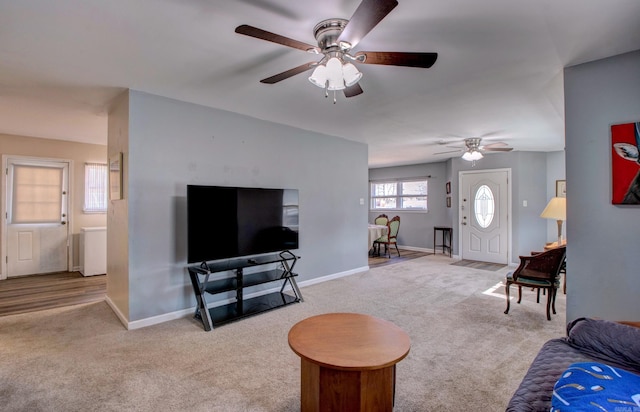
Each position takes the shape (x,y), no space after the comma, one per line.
(348,361)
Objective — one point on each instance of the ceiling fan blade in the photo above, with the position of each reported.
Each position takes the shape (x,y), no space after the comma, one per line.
(496,144)
(368,14)
(275,38)
(353,90)
(450,151)
(423,60)
(497,149)
(289,73)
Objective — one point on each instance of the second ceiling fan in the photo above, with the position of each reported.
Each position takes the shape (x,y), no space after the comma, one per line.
(472,149)
(336,38)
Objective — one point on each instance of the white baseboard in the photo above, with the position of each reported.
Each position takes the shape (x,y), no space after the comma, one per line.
(116,310)
(182,313)
(154,320)
(334,276)
(416,249)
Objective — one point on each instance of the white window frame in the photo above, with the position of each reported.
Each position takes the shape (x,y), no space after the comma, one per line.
(399,195)
(95,189)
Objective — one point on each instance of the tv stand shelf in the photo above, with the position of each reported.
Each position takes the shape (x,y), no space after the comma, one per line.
(241,307)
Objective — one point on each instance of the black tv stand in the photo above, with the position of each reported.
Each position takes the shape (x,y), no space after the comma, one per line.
(202,284)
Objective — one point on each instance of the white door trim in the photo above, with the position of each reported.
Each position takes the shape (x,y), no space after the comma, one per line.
(4,207)
(509,208)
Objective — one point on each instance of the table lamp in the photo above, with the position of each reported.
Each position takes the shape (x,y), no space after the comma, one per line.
(556,209)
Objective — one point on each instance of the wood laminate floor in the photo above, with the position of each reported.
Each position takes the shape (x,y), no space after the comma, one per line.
(37,292)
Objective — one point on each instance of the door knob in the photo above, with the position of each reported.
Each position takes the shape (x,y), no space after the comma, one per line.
(63,223)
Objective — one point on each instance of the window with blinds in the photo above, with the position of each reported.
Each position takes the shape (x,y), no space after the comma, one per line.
(95,187)
(37,194)
(410,194)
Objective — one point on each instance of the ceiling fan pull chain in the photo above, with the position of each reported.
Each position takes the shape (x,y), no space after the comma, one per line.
(334,97)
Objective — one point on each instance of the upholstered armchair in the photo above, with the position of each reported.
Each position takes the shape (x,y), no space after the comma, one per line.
(540,271)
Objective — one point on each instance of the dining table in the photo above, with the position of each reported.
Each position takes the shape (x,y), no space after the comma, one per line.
(375,232)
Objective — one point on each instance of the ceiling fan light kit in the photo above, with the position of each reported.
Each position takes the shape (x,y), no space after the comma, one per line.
(472,155)
(335,39)
(473,149)
(335,74)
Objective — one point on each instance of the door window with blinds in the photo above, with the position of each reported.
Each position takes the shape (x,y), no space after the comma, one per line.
(36,194)
(95,187)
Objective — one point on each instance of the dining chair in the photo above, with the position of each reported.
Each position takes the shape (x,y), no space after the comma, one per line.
(382,219)
(391,238)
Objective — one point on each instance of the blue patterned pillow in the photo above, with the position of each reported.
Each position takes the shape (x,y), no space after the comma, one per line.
(592,386)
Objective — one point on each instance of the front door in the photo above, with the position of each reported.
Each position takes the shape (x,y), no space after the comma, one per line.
(36,238)
(484,215)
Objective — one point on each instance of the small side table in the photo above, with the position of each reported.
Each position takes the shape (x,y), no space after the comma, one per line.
(447,234)
(348,362)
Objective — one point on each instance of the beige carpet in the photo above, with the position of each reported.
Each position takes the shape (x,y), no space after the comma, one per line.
(466,355)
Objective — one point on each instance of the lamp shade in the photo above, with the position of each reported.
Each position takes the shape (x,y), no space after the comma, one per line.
(351,74)
(334,74)
(556,209)
(319,76)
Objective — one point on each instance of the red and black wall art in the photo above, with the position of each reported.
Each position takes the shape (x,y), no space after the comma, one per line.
(625,163)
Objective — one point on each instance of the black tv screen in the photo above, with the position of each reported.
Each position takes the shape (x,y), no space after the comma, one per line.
(225,222)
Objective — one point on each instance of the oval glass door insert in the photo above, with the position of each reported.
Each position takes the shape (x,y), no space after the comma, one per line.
(485,206)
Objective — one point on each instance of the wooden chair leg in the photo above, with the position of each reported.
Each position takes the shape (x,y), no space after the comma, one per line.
(549,304)
(506,292)
(519,293)
(553,302)
(538,298)
(397,250)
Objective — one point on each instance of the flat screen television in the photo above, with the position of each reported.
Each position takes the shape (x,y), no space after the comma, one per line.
(225,222)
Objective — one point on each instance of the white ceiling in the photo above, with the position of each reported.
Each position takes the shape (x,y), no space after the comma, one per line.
(498,74)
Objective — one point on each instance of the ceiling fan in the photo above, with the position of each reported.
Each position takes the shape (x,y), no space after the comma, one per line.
(473,150)
(336,38)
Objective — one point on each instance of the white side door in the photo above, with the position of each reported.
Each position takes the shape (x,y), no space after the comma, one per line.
(36,235)
(484,216)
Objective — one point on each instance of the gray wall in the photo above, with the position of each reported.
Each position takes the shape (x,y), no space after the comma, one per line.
(602,249)
(532,174)
(172,144)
